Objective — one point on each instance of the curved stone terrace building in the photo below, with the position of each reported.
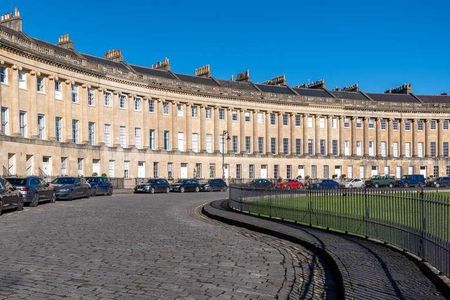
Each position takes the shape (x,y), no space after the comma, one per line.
(68,113)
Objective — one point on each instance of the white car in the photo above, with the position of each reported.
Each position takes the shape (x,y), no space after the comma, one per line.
(354,183)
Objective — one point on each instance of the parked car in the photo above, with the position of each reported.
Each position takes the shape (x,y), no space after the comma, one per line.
(9,196)
(439,182)
(71,187)
(212,185)
(33,189)
(353,183)
(261,184)
(100,185)
(412,180)
(325,184)
(290,184)
(153,186)
(381,181)
(186,185)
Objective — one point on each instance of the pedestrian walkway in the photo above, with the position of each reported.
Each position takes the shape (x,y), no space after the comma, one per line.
(369,270)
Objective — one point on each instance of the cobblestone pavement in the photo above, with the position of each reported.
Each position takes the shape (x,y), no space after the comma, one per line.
(148,247)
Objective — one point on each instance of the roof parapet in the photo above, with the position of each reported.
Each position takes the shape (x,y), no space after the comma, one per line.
(114,55)
(318,84)
(162,65)
(279,80)
(204,71)
(64,41)
(12,20)
(403,89)
(351,88)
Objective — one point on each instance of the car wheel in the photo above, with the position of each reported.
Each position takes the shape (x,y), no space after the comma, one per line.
(110,192)
(437,185)
(53,198)
(391,185)
(406,185)
(197,189)
(181,189)
(20,204)
(70,197)
(94,193)
(87,195)
(152,190)
(35,200)
(376,185)
(167,190)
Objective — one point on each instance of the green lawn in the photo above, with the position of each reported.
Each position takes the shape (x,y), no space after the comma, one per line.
(349,211)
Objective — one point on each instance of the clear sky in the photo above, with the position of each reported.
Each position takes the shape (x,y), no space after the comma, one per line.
(377,44)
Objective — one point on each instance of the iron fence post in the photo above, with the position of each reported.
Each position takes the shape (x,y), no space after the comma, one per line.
(423,223)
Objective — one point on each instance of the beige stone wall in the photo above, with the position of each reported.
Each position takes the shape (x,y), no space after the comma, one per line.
(29,154)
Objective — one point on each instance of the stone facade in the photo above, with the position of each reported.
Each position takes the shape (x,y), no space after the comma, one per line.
(68,113)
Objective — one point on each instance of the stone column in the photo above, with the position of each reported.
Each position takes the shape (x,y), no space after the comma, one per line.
(267,135)
(292,135)
(400,130)
(130,120)
(145,127)
(352,137)
(174,127)
(316,119)
(329,142)
(230,133)
(305,135)
(365,136)
(377,146)
(216,129)
(427,132)
(32,108)
(202,112)
(413,137)
(341,140)
(389,141)
(438,138)
(188,127)
(67,119)
(280,133)
(84,128)
(115,120)
(255,132)
(14,128)
(100,116)
(241,131)
(50,97)
(159,128)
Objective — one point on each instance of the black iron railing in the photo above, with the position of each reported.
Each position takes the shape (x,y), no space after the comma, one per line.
(415,220)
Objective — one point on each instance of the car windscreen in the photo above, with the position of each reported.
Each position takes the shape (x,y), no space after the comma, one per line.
(92,179)
(152,181)
(17,181)
(63,180)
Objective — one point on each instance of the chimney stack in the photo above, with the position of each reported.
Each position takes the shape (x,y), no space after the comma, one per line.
(204,71)
(114,55)
(244,76)
(12,20)
(319,84)
(162,65)
(403,89)
(279,80)
(351,88)
(64,41)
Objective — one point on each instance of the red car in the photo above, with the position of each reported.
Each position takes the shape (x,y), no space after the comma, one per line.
(290,184)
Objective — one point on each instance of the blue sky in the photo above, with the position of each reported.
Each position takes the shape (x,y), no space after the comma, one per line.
(377,44)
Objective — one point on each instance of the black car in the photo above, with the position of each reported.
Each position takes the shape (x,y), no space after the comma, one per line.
(262,184)
(213,185)
(439,182)
(100,185)
(153,186)
(186,185)
(9,196)
(71,187)
(33,189)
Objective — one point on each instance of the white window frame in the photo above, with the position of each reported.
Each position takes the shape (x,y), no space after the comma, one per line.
(22,80)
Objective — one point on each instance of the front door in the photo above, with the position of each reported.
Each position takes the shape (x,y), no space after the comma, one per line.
(264,171)
(141,169)
(184,171)
(423,171)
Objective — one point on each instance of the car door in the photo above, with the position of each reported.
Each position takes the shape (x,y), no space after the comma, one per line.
(47,191)
(35,186)
(85,187)
(10,196)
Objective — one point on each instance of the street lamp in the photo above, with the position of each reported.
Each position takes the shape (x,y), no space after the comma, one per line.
(224,133)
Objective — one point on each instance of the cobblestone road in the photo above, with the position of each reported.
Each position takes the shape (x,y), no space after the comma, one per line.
(148,247)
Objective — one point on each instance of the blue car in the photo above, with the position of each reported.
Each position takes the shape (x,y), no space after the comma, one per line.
(326,184)
(412,180)
(100,185)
